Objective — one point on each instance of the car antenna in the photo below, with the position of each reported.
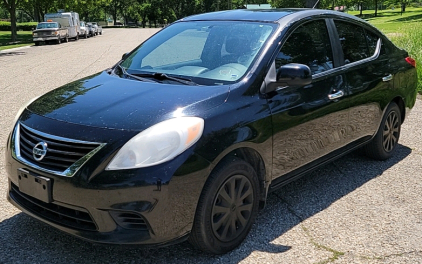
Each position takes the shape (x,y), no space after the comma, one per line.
(315,4)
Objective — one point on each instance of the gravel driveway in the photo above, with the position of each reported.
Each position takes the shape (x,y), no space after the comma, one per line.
(354,210)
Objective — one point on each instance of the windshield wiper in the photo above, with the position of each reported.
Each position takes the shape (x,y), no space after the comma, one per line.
(139,78)
(162,76)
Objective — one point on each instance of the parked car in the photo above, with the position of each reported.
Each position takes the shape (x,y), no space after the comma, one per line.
(192,129)
(49,31)
(84,30)
(98,28)
(91,29)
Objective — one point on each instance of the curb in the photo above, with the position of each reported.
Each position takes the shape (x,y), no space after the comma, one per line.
(15,49)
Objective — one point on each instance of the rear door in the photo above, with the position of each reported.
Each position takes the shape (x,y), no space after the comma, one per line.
(368,75)
(310,121)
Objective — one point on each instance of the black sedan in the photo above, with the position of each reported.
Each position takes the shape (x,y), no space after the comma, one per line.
(189,132)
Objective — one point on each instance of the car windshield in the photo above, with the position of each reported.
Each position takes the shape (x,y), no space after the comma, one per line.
(47,25)
(208,52)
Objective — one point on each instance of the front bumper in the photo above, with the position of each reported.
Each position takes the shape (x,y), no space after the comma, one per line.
(149,206)
(46,38)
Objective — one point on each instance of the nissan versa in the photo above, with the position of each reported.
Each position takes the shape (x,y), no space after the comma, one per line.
(186,135)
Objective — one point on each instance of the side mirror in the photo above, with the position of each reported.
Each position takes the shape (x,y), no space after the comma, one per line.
(124,56)
(294,74)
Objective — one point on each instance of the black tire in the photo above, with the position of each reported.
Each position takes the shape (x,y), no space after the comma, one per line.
(66,39)
(37,43)
(86,35)
(77,37)
(101,33)
(220,224)
(59,40)
(385,141)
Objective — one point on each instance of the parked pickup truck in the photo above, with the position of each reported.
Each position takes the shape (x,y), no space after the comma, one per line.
(49,31)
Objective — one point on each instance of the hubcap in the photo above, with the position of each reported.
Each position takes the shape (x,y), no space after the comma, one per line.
(232,208)
(391,132)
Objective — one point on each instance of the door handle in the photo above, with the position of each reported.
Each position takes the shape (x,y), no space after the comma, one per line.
(387,78)
(336,95)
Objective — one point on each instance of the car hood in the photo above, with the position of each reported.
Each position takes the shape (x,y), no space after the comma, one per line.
(108,101)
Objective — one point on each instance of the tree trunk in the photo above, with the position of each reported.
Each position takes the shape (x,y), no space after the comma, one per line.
(12,10)
(11,7)
(376,8)
(361,7)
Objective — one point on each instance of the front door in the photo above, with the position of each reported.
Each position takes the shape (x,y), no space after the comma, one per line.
(310,121)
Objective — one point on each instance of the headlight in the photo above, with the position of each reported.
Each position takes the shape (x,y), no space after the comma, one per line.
(35,34)
(55,32)
(159,143)
(23,108)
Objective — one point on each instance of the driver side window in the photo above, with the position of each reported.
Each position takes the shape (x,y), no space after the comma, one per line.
(309,44)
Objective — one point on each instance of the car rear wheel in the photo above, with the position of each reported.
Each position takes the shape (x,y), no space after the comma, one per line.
(385,141)
(227,207)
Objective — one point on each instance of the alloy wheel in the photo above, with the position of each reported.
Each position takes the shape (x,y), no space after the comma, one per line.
(391,131)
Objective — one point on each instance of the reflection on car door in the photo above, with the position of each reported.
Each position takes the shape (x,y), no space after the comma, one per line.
(310,121)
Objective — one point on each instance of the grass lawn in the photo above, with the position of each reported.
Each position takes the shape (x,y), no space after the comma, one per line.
(391,21)
(24,38)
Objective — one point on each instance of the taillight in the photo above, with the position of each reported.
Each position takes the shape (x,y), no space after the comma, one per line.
(411,61)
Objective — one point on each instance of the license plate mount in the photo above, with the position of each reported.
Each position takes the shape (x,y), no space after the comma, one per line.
(35,186)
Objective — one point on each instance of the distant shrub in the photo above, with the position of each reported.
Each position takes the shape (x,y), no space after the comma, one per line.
(5,26)
(416,5)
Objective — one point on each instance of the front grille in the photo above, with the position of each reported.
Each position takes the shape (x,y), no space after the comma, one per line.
(61,215)
(129,220)
(61,153)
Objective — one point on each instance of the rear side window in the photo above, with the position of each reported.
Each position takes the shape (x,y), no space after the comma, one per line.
(309,44)
(372,40)
(357,43)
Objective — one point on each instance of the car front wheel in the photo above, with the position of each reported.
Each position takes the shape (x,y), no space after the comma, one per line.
(386,140)
(227,207)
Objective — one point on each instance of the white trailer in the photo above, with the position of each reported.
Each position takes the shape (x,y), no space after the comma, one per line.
(69,20)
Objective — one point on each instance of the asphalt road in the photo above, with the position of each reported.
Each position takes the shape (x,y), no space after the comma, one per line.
(354,210)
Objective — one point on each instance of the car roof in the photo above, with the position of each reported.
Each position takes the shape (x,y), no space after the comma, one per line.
(266,15)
